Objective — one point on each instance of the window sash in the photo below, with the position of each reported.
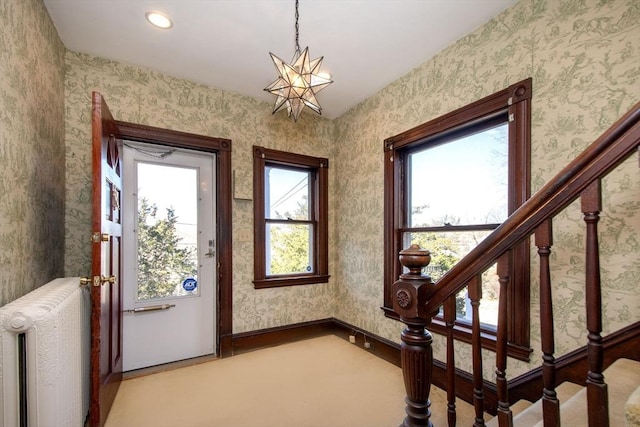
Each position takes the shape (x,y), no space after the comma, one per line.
(270,250)
(294,173)
(476,146)
(448,245)
(515,101)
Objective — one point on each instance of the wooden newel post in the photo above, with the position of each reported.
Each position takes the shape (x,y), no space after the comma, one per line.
(411,293)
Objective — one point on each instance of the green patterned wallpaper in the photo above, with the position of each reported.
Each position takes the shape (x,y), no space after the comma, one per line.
(31,149)
(584,58)
(143,96)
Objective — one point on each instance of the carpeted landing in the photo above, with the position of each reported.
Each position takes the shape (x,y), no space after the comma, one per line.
(319,382)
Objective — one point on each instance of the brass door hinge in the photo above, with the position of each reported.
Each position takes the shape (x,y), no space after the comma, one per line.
(98,237)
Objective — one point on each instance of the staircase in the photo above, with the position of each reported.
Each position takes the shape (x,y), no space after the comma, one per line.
(623,378)
(568,390)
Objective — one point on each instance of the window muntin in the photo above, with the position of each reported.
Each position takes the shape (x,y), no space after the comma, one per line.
(514,104)
(290,214)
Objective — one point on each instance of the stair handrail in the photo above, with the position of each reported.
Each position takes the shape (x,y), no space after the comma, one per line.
(613,147)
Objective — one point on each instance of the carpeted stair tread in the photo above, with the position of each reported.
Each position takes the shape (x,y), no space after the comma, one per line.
(632,409)
(533,413)
(622,378)
(520,406)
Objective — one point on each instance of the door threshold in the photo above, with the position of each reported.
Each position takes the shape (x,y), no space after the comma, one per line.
(141,372)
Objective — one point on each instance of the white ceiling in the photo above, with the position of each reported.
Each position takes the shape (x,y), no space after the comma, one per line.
(366,44)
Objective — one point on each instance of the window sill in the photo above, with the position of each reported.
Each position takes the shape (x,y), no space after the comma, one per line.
(463,333)
(276,282)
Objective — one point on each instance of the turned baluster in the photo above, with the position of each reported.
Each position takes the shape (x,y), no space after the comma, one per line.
(550,403)
(505,417)
(411,293)
(475,295)
(449,314)
(597,398)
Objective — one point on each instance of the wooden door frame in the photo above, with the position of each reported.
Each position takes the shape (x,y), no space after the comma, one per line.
(224,249)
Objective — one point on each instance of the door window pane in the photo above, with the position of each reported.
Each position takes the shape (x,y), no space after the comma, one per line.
(167,231)
(289,248)
(459,182)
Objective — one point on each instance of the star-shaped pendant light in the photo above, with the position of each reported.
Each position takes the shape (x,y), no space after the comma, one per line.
(298,82)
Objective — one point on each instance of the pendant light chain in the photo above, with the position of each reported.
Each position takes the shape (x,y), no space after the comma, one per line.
(297,30)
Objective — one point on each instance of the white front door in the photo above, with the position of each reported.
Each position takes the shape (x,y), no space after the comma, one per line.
(169,255)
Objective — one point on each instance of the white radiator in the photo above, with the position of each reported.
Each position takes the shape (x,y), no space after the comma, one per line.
(44,356)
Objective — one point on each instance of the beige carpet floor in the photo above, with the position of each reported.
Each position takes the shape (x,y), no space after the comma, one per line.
(320,382)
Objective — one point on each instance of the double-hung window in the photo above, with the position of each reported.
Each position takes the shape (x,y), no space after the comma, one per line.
(448,184)
(290,214)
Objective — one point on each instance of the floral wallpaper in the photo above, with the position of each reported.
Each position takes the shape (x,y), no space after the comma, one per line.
(31,149)
(584,58)
(144,96)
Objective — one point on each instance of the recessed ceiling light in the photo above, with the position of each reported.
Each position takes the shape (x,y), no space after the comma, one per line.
(159,20)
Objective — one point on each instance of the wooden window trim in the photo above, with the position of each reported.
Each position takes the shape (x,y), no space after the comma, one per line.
(516,100)
(318,207)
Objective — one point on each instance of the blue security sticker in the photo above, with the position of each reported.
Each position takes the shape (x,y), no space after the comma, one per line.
(189,284)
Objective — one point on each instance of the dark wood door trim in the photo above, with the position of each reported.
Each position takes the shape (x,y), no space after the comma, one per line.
(224,249)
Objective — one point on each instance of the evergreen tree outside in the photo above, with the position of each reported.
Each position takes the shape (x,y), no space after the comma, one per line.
(290,244)
(290,249)
(163,261)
